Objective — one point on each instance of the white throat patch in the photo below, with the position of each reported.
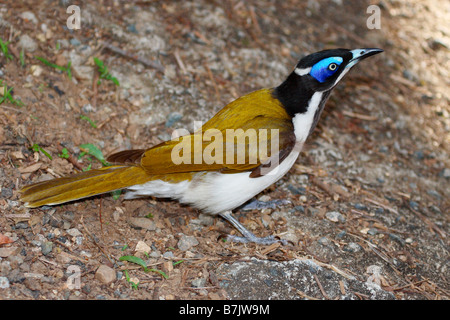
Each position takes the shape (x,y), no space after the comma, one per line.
(303,121)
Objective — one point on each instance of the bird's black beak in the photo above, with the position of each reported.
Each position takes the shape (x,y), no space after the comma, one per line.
(360,54)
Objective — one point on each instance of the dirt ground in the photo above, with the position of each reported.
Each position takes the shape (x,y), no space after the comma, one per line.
(370,189)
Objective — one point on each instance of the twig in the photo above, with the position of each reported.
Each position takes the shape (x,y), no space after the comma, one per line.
(331,189)
(409,285)
(13,109)
(359,116)
(95,242)
(180,62)
(146,62)
(321,288)
(95,89)
(211,77)
(304,295)
(71,159)
(382,205)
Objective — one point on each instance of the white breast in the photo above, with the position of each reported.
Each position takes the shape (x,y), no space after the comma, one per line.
(303,121)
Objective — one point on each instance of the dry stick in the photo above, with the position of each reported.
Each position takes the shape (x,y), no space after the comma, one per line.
(95,242)
(71,158)
(95,89)
(321,288)
(137,58)
(180,62)
(12,109)
(211,77)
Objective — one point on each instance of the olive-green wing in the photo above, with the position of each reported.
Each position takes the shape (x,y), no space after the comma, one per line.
(243,136)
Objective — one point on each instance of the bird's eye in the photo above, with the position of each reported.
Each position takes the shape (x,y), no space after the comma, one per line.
(332,66)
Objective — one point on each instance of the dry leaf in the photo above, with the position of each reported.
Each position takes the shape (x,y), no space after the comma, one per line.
(5,239)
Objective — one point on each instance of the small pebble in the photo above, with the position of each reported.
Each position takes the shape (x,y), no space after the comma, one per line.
(28,15)
(168,255)
(296,190)
(46,247)
(414,205)
(187,242)
(75,42)
(142,223)
(445,173)
(434,193)
(87,108)
(173,118)
(352,247)
(141,246)
(335,216)
(4,283)
(198,283)
(105,274)
(360,206)
(27,43)
(74,232)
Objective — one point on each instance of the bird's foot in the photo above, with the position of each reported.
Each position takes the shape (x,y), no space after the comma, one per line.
(254,239)
(247,236)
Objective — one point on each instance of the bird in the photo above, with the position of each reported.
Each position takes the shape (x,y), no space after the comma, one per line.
(206,169)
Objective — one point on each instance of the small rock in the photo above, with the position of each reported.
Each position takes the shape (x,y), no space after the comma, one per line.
(434,193)
(435,209)
(87,108)
(142,223)
(296,190)
(324,241)
(46,247)
(132,28)
(4,283)
(28,15)
(63,258)
(360,206)
(36,70)
(419,155)
(414,205)
(264,198)
(410,75)
(397,239)
(75,42)
(437,44)
(74,232)
(168,255)
(141,246)
(198,283)
(155,254)
(6,192)
(187,242)
(352,247)
(8,251)
(27,43)
(105,274)
(173,118)
(445,173)
(335,216)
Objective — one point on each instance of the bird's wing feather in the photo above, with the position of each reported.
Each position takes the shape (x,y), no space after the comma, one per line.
(232,141)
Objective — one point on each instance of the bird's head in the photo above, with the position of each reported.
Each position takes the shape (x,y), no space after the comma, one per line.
(322,70)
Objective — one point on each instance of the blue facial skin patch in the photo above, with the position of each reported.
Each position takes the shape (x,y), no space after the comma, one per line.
(320,70)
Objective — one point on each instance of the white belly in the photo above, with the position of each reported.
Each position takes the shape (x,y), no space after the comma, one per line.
(215,192)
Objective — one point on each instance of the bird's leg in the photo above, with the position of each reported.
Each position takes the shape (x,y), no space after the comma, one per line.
(247,236)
